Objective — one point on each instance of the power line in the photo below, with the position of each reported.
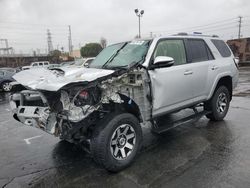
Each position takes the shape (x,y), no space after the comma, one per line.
(201,26)
(33,24)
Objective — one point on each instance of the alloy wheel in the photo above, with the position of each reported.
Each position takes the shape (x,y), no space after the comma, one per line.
(122,142)
(221,104)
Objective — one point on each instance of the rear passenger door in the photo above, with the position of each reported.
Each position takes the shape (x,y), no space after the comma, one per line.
(200,58)
(171,85)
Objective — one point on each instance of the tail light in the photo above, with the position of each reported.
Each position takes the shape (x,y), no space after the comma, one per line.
(236,62)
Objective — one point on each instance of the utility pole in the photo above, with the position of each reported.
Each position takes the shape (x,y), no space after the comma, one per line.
(49,39)
(151,34)
(139,14)
(240,22)
(70,41)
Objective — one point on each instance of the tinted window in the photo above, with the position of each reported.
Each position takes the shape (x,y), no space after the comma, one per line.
(40,64)
(46,63)
(172,48)
(198,51)
(222,48)
(34,64)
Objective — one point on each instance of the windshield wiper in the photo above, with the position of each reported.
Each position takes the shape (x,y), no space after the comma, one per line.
(113,56)
(129,66)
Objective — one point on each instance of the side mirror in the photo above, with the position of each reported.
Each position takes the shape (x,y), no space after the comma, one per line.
(163,61)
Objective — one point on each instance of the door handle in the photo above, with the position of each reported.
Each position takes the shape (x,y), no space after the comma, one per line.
(188,72)
(214,67)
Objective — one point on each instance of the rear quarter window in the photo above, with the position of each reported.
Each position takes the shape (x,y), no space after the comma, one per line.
(222,48)
(198,51)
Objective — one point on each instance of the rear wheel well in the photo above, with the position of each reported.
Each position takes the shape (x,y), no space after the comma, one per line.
(227,82)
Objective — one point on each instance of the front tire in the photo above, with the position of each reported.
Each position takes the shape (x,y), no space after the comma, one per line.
(218,104)
(116,141)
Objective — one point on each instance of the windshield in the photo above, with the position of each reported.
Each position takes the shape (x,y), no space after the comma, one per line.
(121,55)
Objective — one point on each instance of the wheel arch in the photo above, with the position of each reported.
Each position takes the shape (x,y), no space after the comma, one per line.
(226,81)
(130,106)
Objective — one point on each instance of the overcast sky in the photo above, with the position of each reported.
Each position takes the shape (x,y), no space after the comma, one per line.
(25,22)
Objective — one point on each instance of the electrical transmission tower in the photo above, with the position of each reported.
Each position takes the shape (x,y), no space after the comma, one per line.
(49,39)
(70,41)
(6,49)
(240,22)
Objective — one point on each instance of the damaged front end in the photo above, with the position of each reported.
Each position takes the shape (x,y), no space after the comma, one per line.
(72,111)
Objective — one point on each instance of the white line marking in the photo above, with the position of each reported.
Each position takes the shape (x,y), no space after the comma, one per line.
(3,122)
(27,140)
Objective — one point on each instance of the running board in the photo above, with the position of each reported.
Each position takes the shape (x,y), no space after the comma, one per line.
(189,119)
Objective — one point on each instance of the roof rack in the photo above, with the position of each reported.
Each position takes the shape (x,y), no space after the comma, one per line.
(195,34)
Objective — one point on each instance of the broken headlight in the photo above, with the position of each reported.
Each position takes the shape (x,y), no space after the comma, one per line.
(90,96)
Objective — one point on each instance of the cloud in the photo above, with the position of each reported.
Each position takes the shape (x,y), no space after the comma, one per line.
(113,19)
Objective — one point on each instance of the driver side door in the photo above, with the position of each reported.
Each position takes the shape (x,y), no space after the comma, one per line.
(171,86)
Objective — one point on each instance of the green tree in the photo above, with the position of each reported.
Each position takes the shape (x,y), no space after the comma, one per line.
(91,50)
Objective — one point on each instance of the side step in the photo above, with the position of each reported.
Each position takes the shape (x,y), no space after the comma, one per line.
(189,119)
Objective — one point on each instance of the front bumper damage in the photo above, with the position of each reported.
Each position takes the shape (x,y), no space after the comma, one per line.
(57,112)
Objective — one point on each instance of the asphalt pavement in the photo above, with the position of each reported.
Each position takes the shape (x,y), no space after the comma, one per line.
(201,154)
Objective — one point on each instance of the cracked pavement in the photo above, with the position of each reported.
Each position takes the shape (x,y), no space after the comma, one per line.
(201,154)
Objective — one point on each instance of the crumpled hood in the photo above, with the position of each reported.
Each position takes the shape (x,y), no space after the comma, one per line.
(53,80)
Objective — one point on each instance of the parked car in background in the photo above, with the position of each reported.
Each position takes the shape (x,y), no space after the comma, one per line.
(51,66)
(85,62)
(9,69)
(5,79)
(67,63)
(38,64)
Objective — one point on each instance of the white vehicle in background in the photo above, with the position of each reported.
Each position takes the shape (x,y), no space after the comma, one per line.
(82,62)
(39,64)
(85,62)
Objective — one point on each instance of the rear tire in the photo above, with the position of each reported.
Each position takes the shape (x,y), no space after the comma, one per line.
(116,141)
(218,104)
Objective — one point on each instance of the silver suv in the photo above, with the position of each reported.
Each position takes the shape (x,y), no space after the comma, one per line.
(128,86)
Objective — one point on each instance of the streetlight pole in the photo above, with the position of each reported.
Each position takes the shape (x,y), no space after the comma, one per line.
(139,14)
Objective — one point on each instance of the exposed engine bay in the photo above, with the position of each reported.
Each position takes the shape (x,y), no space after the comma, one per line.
(72,111)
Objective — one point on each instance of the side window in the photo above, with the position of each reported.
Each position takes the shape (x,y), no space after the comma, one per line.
(46,63)
(222,48)
(172,48)
(198,51)
(35,64)
(40,64)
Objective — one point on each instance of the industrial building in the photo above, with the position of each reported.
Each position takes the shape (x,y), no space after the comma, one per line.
(241,48)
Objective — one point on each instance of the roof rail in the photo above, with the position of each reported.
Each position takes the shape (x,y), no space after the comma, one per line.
(182,33)
(195,34)
(215,36)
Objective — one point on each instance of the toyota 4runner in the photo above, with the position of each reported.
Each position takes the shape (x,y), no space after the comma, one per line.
(126,87)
